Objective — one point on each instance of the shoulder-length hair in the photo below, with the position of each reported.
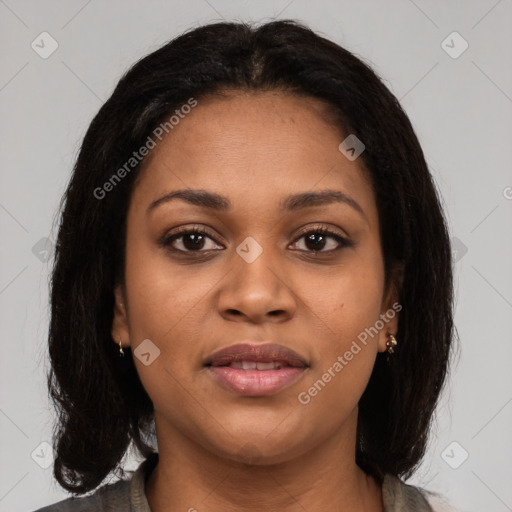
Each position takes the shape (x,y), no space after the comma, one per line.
(101,404)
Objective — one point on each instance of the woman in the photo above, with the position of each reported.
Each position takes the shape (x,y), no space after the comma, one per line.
(253,266)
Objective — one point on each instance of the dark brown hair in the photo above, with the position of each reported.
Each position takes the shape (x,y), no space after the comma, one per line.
(101,404)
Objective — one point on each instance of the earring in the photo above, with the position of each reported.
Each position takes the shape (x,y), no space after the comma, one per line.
(391,343)
(121,351)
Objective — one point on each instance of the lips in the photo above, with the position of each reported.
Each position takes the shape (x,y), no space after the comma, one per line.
(256,369)
(261,353)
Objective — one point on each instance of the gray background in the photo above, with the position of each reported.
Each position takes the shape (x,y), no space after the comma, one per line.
(460,107)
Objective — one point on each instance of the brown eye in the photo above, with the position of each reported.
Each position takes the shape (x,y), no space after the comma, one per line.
(316,240)
(190,240)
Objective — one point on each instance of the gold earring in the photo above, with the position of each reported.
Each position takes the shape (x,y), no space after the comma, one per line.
(391,343)
(121,351)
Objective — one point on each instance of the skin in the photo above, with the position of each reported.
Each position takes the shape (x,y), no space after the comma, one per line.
(220,451)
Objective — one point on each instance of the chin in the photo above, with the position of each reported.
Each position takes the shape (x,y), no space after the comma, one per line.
(260,447)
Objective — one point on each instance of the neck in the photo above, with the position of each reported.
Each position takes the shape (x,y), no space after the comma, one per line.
(189,477)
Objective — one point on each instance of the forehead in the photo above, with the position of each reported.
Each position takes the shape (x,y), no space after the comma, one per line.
(254,147)
(238,124)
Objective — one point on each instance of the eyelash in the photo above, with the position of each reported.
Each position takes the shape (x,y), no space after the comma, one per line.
(167,240)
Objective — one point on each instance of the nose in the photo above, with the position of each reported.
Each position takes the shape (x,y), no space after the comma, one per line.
(258,292)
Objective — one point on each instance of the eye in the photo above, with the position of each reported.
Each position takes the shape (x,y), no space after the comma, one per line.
(188,239)
(195,239)
(318,239)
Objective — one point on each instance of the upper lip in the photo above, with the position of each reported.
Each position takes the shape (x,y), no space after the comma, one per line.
(265,353)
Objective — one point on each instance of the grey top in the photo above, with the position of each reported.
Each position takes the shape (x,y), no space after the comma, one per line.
(129,495)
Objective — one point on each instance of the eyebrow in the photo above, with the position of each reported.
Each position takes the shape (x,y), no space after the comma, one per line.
(214,201)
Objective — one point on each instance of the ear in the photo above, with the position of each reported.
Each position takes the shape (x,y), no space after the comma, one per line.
(120,331)
(391,306)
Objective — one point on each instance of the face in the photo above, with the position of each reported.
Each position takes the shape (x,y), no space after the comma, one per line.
(216,282)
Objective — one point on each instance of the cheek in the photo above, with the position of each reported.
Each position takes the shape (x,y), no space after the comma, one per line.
(165,307)
(345,348)
(162,296)
(349,300)
(160,301)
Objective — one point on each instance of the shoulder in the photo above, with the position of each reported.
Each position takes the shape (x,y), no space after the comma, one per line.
(439,503)
(121,496)
(109,498)
(400,497)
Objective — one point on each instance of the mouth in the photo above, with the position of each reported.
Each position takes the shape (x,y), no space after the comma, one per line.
(256,369)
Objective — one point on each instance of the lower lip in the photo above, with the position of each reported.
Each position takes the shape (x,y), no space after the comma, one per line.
(256,382)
